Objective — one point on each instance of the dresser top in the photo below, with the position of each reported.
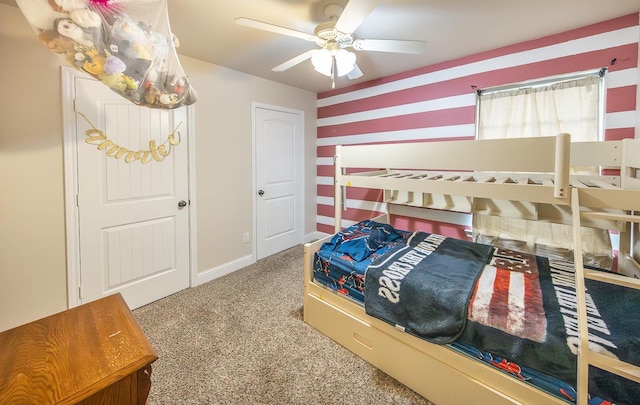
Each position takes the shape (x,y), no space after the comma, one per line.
(71,355)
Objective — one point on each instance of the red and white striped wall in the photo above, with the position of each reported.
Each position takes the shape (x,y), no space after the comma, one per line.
(438,102)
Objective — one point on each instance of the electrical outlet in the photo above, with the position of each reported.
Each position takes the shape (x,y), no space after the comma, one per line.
(245,237)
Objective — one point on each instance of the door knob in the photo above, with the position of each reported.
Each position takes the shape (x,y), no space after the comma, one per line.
(260,193)
(182,204)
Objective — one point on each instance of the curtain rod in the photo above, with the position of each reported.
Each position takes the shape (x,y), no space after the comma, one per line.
(539,82)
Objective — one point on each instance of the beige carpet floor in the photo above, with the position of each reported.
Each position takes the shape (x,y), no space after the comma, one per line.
(240,339)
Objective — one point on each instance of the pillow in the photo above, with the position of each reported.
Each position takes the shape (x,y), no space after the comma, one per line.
(360,240)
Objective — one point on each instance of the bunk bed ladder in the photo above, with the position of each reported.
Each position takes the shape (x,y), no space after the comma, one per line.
(338,191)
(587,357)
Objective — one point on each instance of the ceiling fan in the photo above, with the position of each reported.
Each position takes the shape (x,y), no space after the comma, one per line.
(334,36)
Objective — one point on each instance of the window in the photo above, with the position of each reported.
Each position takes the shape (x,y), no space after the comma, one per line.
(572,104)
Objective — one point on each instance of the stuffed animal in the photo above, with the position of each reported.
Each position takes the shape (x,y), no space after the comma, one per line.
(86,18)
(137,68)
(78,11)
(117,81)
(130,82)
(91,61)
(130,50)
(137,62)
(153,78)
(114,81)
(177,85)
(148,44)
(68,28)
(114,64)
(124,28)
(58,44)
(169,99)
(190,95)
(39,13)
(114,76)
(62,6)
(158,43)
(151,95)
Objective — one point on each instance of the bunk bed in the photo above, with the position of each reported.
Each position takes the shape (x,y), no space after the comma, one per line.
(534,175)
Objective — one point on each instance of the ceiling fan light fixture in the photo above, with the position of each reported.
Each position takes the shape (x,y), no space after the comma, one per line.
(345,61)
(322,62)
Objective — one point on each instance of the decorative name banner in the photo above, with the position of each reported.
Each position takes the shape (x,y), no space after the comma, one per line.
(155,152)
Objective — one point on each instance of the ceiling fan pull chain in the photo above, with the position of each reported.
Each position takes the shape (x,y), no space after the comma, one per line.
(333,72)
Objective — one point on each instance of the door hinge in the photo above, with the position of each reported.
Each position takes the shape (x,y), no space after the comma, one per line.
(80,293)
(77,201)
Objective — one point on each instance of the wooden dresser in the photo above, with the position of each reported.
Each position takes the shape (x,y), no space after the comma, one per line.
(92,354)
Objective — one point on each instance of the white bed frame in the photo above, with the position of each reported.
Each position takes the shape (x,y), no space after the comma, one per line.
(530,170)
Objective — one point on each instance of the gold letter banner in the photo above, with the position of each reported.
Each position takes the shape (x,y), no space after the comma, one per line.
(155,152)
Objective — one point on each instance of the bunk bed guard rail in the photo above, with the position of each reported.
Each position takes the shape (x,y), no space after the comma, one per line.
(548,155)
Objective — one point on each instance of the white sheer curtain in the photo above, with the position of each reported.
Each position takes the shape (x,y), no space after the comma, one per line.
(571,106)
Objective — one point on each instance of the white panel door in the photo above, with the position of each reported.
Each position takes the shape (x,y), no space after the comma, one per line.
(279,149)
(134,236)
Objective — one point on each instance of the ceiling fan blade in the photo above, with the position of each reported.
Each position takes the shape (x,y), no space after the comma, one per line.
(389,45)
(356,73)
(294,61)
(247,22)
(354,14)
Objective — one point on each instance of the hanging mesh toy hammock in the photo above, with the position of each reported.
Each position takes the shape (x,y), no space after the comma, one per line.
(126,44)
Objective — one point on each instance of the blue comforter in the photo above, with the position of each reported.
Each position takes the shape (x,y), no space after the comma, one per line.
(521,311)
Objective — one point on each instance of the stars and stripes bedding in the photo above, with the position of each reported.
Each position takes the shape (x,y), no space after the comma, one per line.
(520,308)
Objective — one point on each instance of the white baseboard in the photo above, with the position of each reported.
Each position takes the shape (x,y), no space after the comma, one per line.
(230,267)
(215,272)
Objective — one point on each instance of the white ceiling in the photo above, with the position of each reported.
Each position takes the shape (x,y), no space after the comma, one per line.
(452,28)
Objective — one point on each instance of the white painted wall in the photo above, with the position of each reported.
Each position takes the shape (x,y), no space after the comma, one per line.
(32,224)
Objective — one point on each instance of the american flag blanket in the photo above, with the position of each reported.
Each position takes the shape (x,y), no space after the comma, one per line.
(508,296)
(523,308)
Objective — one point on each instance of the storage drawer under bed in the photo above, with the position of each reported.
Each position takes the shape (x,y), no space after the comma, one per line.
(433,371)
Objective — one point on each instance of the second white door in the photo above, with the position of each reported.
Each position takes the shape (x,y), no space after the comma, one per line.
(279,170)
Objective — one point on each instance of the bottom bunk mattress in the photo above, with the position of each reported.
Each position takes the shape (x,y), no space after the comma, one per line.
(514,311)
